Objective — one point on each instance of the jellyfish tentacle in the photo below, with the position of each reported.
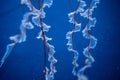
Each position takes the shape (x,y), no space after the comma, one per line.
(70,34)
(7,53)
(92,41)
(48,74)
(18,38)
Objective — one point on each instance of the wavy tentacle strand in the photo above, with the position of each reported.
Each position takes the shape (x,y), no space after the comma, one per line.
(92,40)
(69,35)
(49,74)
(19,38)
(52,60)
(7,53)
(37,20)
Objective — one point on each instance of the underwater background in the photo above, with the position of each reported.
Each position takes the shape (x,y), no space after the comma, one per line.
(26,60)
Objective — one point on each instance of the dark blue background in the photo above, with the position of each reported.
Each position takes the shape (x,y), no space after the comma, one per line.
(26,60)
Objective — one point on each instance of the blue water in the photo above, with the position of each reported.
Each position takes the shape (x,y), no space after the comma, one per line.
(26,60)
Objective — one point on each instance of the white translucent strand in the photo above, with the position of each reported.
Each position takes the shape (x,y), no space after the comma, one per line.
(37,14)
(93,41)
(18,38)
(69,34)
(7,53)
(52,60)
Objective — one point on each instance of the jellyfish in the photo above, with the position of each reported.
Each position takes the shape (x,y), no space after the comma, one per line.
(37,20)
(92,41)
